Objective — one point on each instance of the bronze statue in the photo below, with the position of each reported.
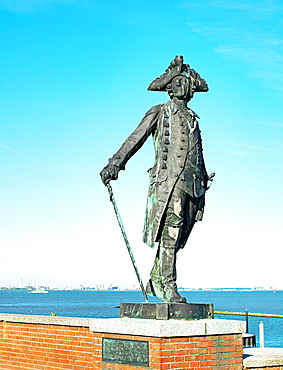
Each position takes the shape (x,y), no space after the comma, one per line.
(178,179)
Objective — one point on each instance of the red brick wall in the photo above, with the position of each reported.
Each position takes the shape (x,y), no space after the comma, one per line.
(221,352)
(47,347)
(265,368)
(26,346)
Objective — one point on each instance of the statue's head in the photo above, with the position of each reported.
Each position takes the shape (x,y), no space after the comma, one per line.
(179,87)
(177,78)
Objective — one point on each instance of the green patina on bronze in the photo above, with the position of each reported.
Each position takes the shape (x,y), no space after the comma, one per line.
(166,311)
(178,179)
(125,351)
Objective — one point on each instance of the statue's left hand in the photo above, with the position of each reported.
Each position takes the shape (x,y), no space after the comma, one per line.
(110,172)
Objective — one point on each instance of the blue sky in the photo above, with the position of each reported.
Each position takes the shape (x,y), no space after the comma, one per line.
(74,78)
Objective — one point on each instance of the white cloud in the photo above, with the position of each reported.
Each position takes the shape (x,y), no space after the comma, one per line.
(245,145)
(252,150)
(41,165)
(262,8)
(241,31)
(12,150)
(239,5)
(262,56)
(270,123)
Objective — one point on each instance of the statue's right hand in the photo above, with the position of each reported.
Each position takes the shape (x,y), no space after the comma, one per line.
(110,172)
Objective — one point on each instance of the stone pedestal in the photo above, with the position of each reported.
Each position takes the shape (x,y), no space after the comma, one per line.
(52,342)
(127,344)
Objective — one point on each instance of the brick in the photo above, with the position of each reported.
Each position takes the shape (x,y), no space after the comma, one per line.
(154,340)
(55,347)
(165,366)
(155,366)
(204,344)
(200,350)
(155,360)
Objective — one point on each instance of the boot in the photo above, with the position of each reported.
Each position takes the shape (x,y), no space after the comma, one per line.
(154,288)
(171,294)
(167,258)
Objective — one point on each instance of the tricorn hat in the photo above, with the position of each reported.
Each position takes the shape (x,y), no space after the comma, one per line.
(178,68)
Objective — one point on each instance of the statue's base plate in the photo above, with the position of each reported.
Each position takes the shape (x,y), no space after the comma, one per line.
(165,311)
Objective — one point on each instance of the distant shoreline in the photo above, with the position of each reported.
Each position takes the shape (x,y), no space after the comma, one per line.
(137,290)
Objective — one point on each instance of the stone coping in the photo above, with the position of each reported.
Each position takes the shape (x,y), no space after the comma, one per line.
(262,357)
(48,320)
(142,327)
(167,328)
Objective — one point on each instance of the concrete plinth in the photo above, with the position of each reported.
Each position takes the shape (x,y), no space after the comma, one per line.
(169,344)
(41,342)
(263,358)
(167,328)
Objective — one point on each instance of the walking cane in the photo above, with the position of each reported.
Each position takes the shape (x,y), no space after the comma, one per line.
(112,200)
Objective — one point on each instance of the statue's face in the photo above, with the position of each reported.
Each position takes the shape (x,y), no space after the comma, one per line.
(180,86)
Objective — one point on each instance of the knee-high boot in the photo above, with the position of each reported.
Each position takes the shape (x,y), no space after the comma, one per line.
(154,287)
(167,257)
(162,283)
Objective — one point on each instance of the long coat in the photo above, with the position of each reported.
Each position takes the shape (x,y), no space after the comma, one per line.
(178,160)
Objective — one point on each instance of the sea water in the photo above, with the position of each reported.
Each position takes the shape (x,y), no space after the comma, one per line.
(105,304)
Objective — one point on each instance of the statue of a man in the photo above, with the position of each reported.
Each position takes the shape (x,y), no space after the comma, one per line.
(178,178)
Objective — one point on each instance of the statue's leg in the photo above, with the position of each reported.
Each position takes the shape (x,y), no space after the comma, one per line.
(164,268)
(179,219)
(154,287)
(168,253)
